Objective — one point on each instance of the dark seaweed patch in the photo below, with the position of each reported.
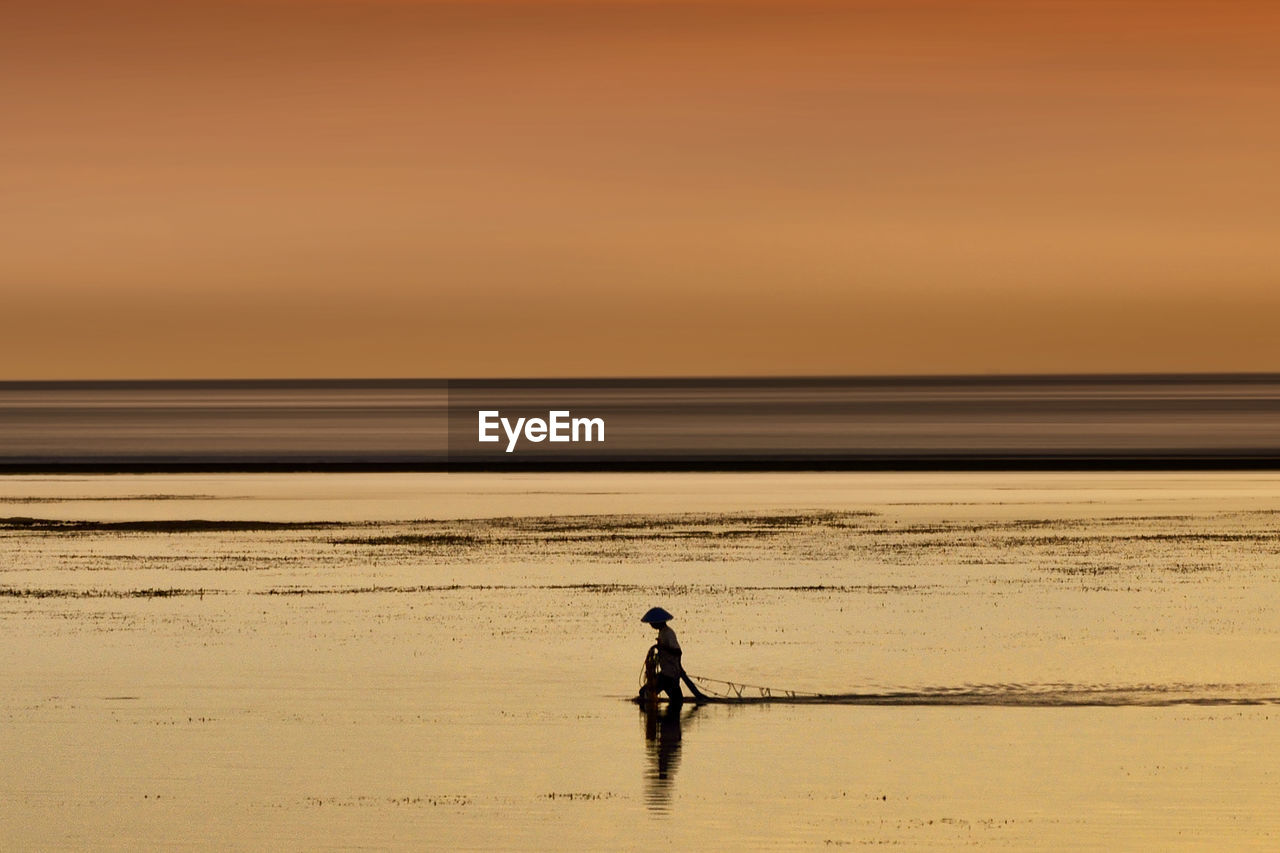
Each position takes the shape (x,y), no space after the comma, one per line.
(105,498)
(602,588)
(195,525)
(427,540)
(41,592)
(603,529)
(1203,537)
(569,524)
(610,536)
(1084,570)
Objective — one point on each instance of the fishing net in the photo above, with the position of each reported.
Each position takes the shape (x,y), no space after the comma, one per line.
(1058,695)
(737,691)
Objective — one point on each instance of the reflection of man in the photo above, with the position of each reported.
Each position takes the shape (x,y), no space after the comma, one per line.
(669,669)
(663,729)
(662,732)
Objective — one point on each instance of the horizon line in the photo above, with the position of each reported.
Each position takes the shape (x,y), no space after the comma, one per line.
(407,381)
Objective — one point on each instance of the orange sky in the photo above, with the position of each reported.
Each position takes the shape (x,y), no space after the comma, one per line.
(261,189)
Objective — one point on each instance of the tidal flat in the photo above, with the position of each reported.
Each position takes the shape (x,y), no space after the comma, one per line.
(444,661)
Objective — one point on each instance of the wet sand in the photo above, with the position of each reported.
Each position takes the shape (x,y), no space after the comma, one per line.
(444,661)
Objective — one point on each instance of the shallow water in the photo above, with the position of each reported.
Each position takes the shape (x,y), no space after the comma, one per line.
(444,660)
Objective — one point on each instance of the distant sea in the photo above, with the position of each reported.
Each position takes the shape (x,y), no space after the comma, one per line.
(1112,421)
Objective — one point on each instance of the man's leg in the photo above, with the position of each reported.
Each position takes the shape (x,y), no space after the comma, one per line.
(671,686)
(693,688)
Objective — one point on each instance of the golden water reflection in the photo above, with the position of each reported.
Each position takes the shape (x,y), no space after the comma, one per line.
(663,735)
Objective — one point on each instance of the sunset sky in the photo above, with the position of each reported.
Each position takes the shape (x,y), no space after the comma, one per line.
(408,188)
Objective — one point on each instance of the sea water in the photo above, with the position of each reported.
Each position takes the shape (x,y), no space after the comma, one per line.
(440,661)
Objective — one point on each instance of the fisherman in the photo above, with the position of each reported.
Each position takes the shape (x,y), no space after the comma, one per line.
(664,669)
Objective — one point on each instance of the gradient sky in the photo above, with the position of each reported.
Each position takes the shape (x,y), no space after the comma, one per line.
(202,188)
